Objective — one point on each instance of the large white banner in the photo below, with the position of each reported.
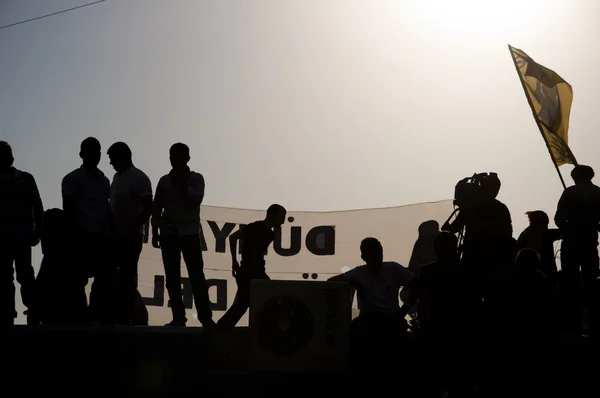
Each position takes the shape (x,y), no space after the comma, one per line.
(311,245)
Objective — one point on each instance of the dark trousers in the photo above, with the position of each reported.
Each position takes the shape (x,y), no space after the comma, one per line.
(172,247)
(128,252)
(375,338)
(19,254)
(579,268)
(241,302)
(94,258)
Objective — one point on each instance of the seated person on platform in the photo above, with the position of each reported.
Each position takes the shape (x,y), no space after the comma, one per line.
(378,285)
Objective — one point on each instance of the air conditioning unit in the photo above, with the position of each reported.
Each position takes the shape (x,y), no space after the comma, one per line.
(299,325)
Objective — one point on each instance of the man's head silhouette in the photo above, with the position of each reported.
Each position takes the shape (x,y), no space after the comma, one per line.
(179,155)
(371,252)
(120,156)
(90,152)
(582,174)
(538,219)
(6,156)
(491,187)
(275,216)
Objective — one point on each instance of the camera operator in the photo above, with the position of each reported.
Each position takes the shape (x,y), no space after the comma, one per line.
(488,243)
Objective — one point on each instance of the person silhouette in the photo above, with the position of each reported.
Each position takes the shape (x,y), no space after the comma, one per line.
(21,223)
(257,237)
(578,218)
(85,193)
(176,231)
(423,251)
(539,237)
(131,205)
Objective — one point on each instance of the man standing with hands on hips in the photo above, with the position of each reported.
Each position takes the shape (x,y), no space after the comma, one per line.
(176,231)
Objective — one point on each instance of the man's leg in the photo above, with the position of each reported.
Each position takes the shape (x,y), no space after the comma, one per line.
(128,255)
(192,255)
(240,305)
(7,287)
(171,254)
(104,285)
(589,262)
(569,282)
(26,278)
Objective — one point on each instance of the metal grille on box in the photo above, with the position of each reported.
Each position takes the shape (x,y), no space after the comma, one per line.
(299,325)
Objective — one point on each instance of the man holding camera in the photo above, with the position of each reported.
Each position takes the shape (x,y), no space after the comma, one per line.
(488,243)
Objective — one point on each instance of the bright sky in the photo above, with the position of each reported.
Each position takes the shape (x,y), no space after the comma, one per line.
(317,105)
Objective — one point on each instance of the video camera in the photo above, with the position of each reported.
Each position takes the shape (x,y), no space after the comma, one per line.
(468,191)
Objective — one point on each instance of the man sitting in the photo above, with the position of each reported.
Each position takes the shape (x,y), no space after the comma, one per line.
(378,283)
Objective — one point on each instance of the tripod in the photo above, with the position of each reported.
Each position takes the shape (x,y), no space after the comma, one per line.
(461,233)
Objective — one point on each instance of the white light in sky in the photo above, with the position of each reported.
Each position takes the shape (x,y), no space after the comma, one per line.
(489,18)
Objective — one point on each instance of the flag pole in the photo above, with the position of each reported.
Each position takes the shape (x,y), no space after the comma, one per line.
(535,117)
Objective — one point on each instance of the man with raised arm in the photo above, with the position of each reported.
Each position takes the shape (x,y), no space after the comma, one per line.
(257,237)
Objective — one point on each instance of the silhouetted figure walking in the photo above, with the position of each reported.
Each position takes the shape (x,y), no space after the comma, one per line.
(85,193)
(578,218)
(257,237)
(21,218)
(539,237)
(131,205)
(176,231)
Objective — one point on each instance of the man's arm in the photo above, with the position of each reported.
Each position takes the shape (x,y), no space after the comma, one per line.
(195,190)
(144,193)
(350,277)
(37,206)
(233,240)
(560,218)
(456,226)
(69,199)
(157,207)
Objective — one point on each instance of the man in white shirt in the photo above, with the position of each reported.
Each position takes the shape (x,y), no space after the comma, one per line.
(85,193)
(21,217)
(176,231)
(131,205)
(377,282)
(380,325)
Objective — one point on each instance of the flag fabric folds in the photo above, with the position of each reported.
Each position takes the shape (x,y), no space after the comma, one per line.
(550,98)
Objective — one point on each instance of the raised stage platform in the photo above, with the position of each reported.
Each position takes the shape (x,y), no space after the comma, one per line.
(162,361)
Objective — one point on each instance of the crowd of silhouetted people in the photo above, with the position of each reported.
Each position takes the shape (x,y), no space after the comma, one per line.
(469,278)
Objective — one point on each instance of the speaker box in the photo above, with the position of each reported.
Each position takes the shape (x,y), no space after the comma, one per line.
(299,325)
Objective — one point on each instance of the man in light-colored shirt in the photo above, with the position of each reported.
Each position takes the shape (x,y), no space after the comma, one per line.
(85,193)
(21,217)
(176,231)
(380,323)
(377,282)
(131,205)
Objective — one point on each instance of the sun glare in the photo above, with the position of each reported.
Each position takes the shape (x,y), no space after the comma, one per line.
(489,18)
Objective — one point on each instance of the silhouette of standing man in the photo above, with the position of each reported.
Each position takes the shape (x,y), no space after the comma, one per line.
(21,217)
(176,231)
(131,205)
(578,218)
(257,237)
(85,193)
